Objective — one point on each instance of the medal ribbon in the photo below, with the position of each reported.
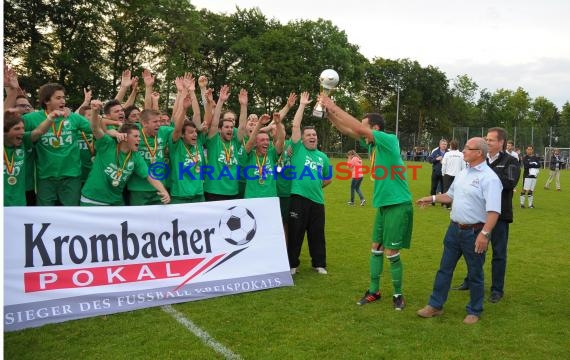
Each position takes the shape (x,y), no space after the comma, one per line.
(195,158)
(151,151)
(9,166)
(227,152)
(120,171)
(90,145)
(260,166)
(58,132)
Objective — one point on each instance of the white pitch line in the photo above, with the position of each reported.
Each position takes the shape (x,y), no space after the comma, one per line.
(201,334)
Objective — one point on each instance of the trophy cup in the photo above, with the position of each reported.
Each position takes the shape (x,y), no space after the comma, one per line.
(328,79)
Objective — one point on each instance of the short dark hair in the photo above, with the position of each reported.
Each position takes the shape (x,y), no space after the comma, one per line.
(11,119)
(46,92)
(130,109)
(501,134)
(109,105)
(127,128)
(222,121)
(187,123)
(308,127)
(376,119)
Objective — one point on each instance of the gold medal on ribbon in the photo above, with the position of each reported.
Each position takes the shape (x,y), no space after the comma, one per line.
(260,166)
(279,168)
(57,133)
(115,183)
(55,144)
(10,167)
(90,145)
(151,151)
(261,181)
(227,152)
(116,180)
(194,157)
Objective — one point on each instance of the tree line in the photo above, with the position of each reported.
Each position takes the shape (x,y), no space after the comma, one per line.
(83,44)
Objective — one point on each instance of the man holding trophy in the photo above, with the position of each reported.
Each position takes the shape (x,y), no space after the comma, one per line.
(392,228)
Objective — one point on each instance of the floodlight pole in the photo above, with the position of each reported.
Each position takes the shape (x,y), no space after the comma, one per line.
(398,107)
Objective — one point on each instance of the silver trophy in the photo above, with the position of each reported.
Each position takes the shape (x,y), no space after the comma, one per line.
(328,80)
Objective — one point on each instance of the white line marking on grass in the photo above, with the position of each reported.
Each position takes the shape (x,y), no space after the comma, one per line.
(201,334)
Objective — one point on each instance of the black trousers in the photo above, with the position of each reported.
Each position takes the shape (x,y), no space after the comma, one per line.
(306,216)
(436,182)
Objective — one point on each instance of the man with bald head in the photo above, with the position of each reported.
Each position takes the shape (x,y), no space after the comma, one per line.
(476,197)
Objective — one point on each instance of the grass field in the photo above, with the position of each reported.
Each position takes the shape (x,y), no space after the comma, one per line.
(318,319)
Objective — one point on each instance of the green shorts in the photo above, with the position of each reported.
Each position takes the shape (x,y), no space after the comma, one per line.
(65,190)
(393,226)
(144,198)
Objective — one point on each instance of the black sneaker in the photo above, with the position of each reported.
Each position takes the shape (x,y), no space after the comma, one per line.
(522,206)
(369,297)
(399,303)
(531,206)
(495,297)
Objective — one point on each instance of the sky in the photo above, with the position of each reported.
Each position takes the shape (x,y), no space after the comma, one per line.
(498,43)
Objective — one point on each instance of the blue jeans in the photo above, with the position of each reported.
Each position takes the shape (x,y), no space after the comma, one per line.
(355,186)
(459,242)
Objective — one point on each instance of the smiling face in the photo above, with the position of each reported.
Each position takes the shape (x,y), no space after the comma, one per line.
(189,135)
(227,130)
(56,101)
(262,143)
(310,139)
(493,143)
(15,135)
(133,140)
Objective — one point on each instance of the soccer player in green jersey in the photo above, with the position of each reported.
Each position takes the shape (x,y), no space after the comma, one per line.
(392,229)
(262,158)
(115,163)
(307,206)
(222,153)
(58,165)
(186,151)
(16,143)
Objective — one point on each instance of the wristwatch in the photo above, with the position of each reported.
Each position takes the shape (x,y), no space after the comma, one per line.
(486,234)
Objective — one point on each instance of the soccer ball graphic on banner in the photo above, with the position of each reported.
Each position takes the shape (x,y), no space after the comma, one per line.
(237,225)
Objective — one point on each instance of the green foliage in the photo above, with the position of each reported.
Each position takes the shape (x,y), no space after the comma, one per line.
(318,318)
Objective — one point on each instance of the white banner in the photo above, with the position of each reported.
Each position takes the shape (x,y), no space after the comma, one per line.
(64,263)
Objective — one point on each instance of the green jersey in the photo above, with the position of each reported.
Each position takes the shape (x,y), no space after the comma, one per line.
(223,159)
(152,150)
(111,171)
(260,184)
(57,152)
(186,162)
(389,188)
(86,152)
(15,173)
(283,182)
(311,166)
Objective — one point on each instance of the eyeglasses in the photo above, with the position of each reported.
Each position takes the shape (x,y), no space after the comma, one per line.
(468,148)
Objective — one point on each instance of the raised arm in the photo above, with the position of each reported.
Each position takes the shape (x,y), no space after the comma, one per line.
(208,111)
(178,111)
(243,99)
(134,91)
(11,85)
(224,96)
(279,138)
(148,80)
(344,122)
(86,100)
(263,120)
(190,85)
(290,102)
(296,127)
(96,106)
(125,83)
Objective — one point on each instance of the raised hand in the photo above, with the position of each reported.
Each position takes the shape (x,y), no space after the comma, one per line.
(276,118)
(224,93)
(155,96)
(179,82)
(291,99)
(264,119)
(148,78)
(126,80)
(189,82)
(242,97)
(202,81)
(305,100)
